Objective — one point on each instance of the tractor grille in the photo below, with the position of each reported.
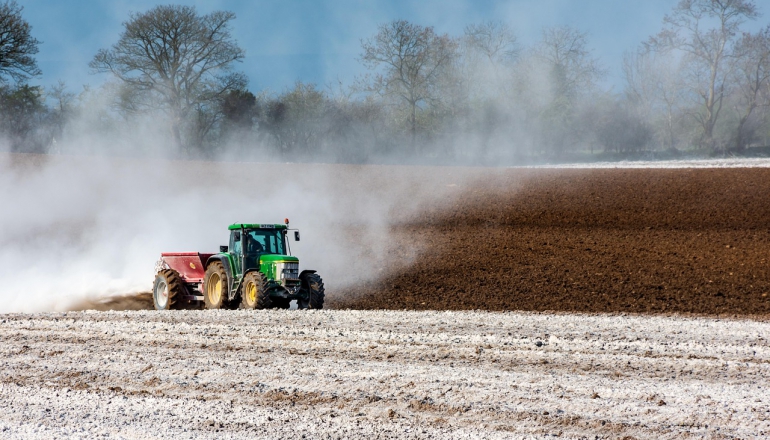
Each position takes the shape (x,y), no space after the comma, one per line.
(289,271)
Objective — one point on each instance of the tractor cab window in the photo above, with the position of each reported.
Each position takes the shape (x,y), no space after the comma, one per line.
(235,242)
(264,241)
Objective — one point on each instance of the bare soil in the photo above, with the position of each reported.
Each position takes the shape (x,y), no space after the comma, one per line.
(691,241)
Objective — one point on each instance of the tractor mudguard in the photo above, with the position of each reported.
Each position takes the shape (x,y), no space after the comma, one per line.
(253,269)
(302,278)
(306,271)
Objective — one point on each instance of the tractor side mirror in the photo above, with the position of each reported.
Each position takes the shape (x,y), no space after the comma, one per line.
(296,235)
(223,248)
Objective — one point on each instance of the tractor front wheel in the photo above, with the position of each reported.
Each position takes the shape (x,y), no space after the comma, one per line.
(314,287)
(215,286)
(254,293)
(167,290)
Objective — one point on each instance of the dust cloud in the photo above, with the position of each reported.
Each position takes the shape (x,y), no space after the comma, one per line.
(79,230)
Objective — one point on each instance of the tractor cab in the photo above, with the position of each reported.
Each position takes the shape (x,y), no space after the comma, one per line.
(265,248)
(251,245)
(253,242)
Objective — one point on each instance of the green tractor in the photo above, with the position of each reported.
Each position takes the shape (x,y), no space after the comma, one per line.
(255,271)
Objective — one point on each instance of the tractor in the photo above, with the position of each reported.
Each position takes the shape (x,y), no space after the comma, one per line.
(255,271)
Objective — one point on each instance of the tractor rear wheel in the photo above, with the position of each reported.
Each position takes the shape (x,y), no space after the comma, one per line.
(167,290)
(314,285)
(215,286)
(254,293)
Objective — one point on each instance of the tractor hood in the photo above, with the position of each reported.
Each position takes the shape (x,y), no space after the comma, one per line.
(284,269)
(271,258)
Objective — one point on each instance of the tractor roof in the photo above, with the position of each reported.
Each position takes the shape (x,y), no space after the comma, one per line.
(256,226)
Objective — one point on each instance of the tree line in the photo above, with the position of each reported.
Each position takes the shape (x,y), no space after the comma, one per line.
(701,84)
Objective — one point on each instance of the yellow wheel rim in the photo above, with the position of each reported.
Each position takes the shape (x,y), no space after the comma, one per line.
(252,293)
(214,288)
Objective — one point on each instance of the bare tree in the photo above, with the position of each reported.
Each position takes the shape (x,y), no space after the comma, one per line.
(239,109)
(705,32)
(495,40)
(22,112)
(486,49)
(572,68)
(654,85)
(571,72)
(298,120)
(639,72)
(671,93)
(477,91)
(752,77)
(61,110)
(16,44)
(621,130)
(414,58)
(178,59)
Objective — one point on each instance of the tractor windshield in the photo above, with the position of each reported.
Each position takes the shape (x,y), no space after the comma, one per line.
(264,241)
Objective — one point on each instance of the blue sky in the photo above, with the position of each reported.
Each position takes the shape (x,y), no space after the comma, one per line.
(319,41)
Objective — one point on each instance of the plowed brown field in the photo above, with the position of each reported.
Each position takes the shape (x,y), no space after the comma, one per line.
(612,240)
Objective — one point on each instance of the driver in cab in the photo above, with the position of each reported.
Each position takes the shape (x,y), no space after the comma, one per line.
(253,247)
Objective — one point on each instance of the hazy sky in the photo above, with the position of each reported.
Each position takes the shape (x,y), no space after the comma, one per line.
(319,41)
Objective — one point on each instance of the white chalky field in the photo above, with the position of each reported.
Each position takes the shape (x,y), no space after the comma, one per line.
(381,374)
